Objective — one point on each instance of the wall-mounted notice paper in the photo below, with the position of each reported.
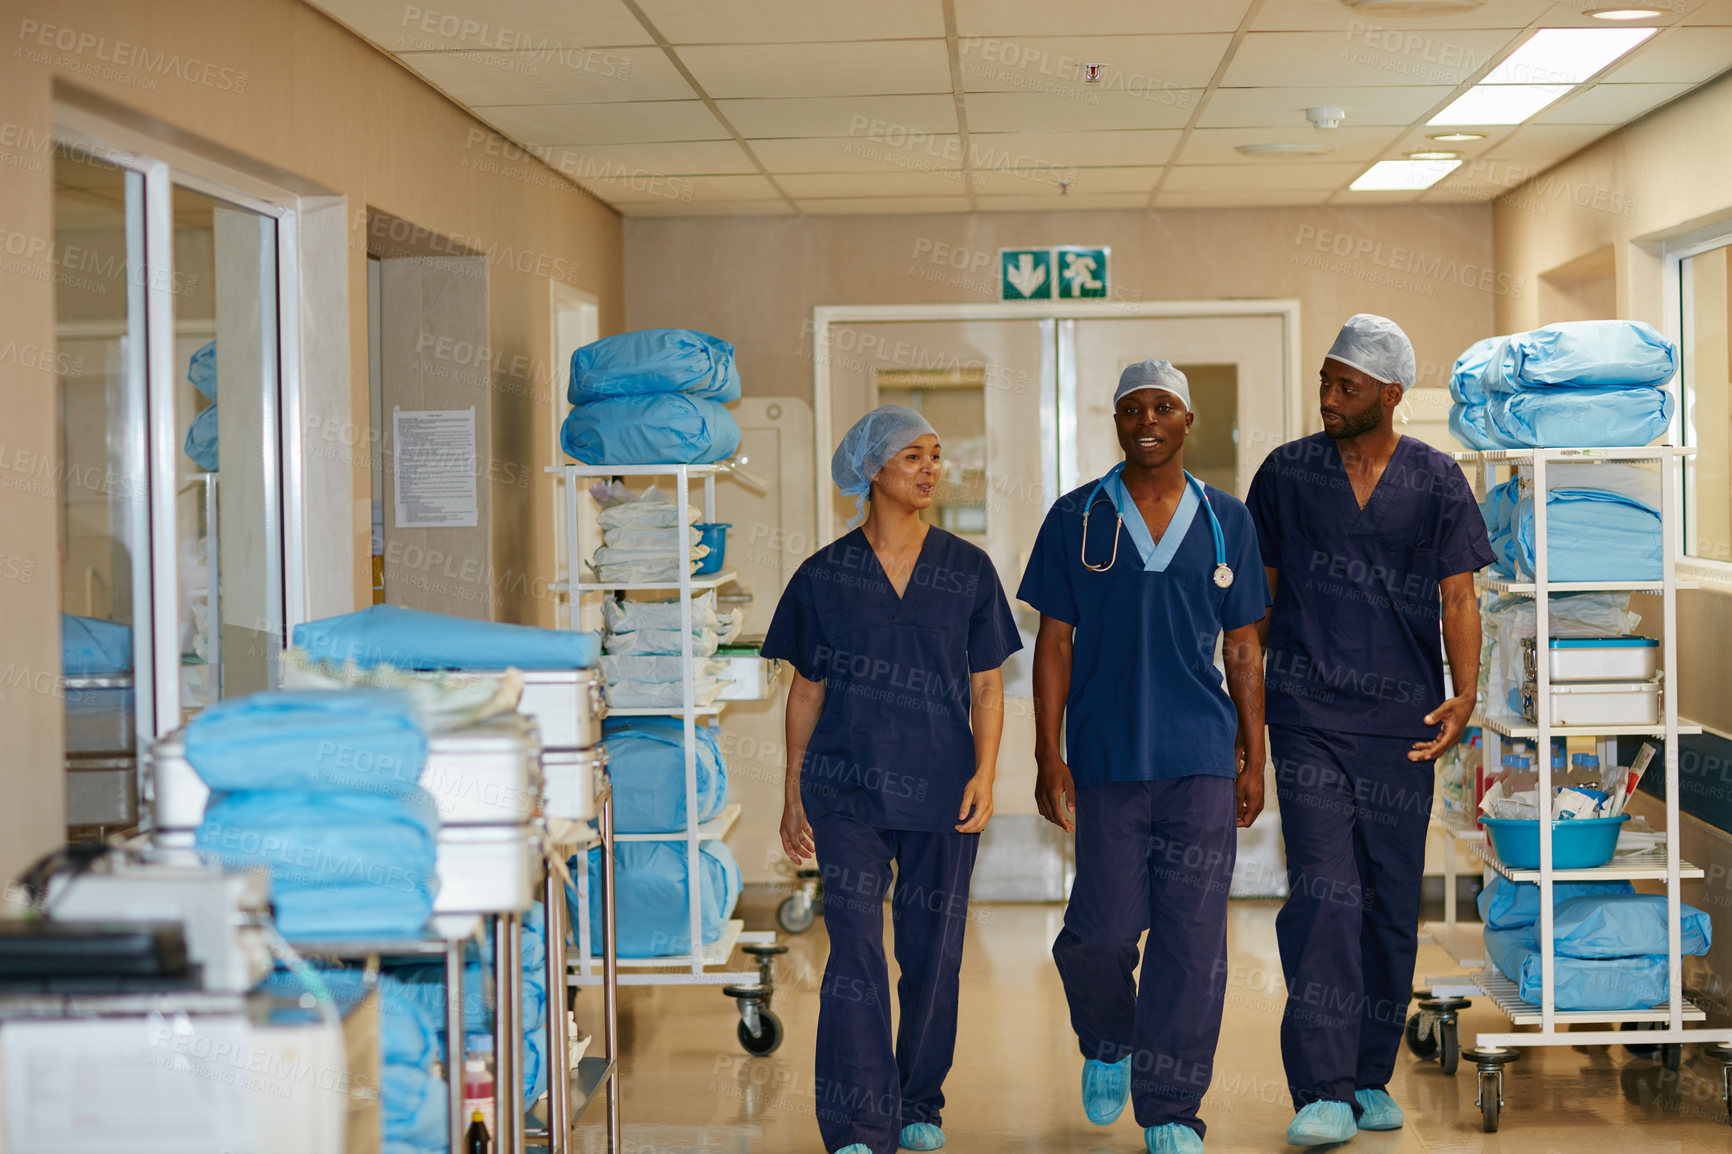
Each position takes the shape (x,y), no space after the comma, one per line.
(433,467)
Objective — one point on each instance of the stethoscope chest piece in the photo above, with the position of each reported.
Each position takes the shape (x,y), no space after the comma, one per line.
(1223,577)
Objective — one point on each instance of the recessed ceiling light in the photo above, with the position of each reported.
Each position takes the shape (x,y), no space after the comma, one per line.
(1625,13)
(1283,149)
(1454,137)
(1412,7)
(1566,55)
(1403,175)
(1434,154)
(1499,103)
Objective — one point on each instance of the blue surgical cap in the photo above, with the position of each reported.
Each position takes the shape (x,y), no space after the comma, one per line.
(1152,374)
(873,440)
(1377,347)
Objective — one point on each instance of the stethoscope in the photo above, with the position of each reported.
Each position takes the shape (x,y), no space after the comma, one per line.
(1223,571)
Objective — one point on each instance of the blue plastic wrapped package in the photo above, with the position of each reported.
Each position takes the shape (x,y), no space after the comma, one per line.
(1468,380)
(201,440)
(1499,511)
(416,639)
(665,429)
(647,764)
(652,916)
(407,1034)
(92,647)
(1579,418)
(413,1102)
(201,370)
(1623,925)
(366,740)
(654,361)
(1578,983)
(1507,905)
(1591,535)
(341,864)
(1469,424)
(1587,354)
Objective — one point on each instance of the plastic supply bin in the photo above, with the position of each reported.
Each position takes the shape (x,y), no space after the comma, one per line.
(714,535)
(1598,703)
(1577,843)
(1597,658)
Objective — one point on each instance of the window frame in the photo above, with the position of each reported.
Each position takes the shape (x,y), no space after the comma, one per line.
(1676,251)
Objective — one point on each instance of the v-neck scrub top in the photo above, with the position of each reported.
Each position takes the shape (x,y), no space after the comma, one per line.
(1147,702)
(892,746)
(1354,638)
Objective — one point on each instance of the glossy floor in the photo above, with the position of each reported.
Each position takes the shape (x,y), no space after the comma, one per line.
(688,1087)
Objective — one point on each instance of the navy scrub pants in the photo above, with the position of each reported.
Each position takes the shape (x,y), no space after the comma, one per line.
(1156,856)
(867,1088)
(1354,812)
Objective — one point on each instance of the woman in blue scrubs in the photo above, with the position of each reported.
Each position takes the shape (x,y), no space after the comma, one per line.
(1366,534)
(895,632)
(1136,577)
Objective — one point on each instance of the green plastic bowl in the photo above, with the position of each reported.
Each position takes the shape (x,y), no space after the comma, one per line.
(1577,843)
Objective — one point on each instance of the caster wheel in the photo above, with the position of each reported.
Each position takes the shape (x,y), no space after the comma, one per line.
(1672,1055)
(1448,1047)
(1488,1102)
(766,1040)
(1423,1046)
(795,915)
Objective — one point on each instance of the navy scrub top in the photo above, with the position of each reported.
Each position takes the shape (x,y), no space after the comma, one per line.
(1354,639)
(892,746)
(1147,702)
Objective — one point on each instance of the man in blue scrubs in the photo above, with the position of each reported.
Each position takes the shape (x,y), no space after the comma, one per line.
(1365,533)
(1136,576)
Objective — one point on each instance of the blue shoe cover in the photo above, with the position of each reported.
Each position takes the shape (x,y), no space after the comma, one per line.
(921,1136)
(855,1148)
(1106,1087)
(1378,1110)
(1173,1138)
(1322,1124)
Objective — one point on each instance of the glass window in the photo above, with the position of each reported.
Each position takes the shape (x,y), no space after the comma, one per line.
(1707,404)
(953,400)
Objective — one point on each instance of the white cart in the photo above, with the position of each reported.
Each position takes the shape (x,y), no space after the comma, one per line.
(1493,1051)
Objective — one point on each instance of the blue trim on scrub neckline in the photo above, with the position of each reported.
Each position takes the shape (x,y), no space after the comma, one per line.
(1155,557)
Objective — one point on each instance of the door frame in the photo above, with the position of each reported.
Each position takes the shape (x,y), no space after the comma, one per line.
(1052,383)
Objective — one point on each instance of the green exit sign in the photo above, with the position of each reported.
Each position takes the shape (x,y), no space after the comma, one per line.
(1067,272)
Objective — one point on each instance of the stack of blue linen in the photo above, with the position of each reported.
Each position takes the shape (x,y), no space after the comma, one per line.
(652,397)
(1576,384)
(647,765)
(652,896)
(319,788)
(1608,942)
(201,435)
(415,639)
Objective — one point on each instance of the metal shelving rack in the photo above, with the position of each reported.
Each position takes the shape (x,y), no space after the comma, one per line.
(1495,1050)
(702,964)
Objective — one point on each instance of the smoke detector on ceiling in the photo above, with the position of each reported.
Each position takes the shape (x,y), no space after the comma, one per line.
(1410,7)
(1325,117)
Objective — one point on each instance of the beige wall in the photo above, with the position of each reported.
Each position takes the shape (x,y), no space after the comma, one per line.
(282,88)
(755,281)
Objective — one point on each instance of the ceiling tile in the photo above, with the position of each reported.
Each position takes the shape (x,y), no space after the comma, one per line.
(680,189)
(540,27)
(997,18)
(1220,145)
(718,208)
(1100,202)
(1610,103)
(784,21)
(1070,149)
(860,154)
(575,124)
(1404,197)
(1552,142)
(861,184)
(841,115)
(1688,55)
(1285,107)
(1135,64)
(1253,178)
(686,158)
(870,206)
(864,68)
(1083,182)
(1331,16)
(1715,12)
(1055,112)
(1168,198)
(483,78)
(1304,59)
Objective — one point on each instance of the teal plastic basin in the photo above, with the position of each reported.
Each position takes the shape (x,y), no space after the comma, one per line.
(1577,843)
(715,535)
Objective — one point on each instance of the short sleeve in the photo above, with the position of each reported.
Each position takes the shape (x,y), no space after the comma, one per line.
(795,634)
(1462,543)
(1262,501)
(1046,583)
(1248,597)
(992,632)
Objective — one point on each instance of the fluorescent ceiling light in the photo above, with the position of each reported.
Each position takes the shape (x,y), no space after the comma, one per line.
(1566,55)
(1625,13)
(1499,103)
(1284,149)
(1453,137)
(1403,175)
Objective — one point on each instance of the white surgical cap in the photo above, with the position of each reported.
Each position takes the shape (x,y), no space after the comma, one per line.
(874,439)
(1377,347)
(1153,374)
